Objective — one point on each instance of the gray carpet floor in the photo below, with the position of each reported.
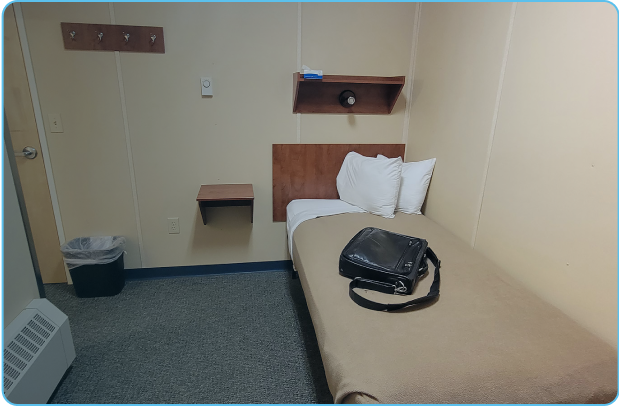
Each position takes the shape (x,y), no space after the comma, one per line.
(236,338)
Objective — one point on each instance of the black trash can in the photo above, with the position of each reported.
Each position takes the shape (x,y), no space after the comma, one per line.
(96,265)
(99,279)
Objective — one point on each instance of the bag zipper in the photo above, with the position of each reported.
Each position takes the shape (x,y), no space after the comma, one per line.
(410,244)
(378,267)
(397,266)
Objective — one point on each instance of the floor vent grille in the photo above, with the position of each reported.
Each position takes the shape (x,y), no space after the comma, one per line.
(23,350)
(10,371)
(38,329)
(38,350)
(20,351)
(33,336)
(49,326)
(14,360)
(29,345)
(7,384)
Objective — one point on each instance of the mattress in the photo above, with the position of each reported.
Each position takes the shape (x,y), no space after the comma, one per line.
(486,340)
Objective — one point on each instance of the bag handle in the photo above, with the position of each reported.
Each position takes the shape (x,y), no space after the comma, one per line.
(389,288)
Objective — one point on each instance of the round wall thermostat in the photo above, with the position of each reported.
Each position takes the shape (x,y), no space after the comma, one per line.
(347,98)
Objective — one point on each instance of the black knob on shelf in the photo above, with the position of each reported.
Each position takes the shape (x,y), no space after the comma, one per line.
(347,98)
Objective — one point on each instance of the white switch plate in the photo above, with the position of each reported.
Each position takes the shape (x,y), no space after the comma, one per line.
(206,84)
(55,123)
(173,226)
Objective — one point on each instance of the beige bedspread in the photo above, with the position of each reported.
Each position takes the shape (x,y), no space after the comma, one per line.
(486,340)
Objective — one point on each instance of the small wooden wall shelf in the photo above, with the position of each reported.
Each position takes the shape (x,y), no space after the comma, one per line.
(107,37)
(374,94)
(225,195)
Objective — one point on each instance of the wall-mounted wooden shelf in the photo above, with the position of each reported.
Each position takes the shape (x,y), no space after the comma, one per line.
(374,94)
(225,195)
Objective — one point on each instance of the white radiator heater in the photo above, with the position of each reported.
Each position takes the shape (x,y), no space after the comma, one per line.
(38,349)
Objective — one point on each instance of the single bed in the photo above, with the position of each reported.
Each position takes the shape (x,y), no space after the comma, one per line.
(486,340)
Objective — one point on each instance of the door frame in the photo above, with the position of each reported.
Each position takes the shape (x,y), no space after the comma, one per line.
(39,123)
(38,115)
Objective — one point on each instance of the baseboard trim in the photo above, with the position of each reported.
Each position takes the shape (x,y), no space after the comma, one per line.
(201,270)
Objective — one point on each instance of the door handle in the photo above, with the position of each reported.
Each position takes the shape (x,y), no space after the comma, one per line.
(27,152)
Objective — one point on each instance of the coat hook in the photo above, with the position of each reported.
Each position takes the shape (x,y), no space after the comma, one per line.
(72,34)
(153,37)
(126,37)
(100,35)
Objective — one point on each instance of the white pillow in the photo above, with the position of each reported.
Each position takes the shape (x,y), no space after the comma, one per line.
(370,183)
(414,186)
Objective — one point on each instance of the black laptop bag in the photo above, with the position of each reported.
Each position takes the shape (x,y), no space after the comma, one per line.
(389,263)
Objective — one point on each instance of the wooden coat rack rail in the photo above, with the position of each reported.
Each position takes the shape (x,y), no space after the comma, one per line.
(108,37)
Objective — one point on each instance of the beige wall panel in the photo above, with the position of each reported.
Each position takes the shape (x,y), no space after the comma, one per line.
(549,213)
(181,140)
(89,160)
(356,39)
(459,58)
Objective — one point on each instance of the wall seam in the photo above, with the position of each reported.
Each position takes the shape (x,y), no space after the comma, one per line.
(494,121)
(411,75)
(299,33)
(123,105)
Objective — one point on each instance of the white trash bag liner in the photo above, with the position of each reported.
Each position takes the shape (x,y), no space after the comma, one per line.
(92,250)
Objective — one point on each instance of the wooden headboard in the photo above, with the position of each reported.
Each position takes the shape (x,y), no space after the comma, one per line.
(308,171)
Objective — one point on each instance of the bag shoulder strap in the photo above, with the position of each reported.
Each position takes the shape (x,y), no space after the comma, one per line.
(389,288)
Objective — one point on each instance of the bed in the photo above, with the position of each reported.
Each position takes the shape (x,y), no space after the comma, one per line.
(486,340)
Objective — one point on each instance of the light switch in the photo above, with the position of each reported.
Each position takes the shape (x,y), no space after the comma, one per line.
(206,84)
(55,123)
